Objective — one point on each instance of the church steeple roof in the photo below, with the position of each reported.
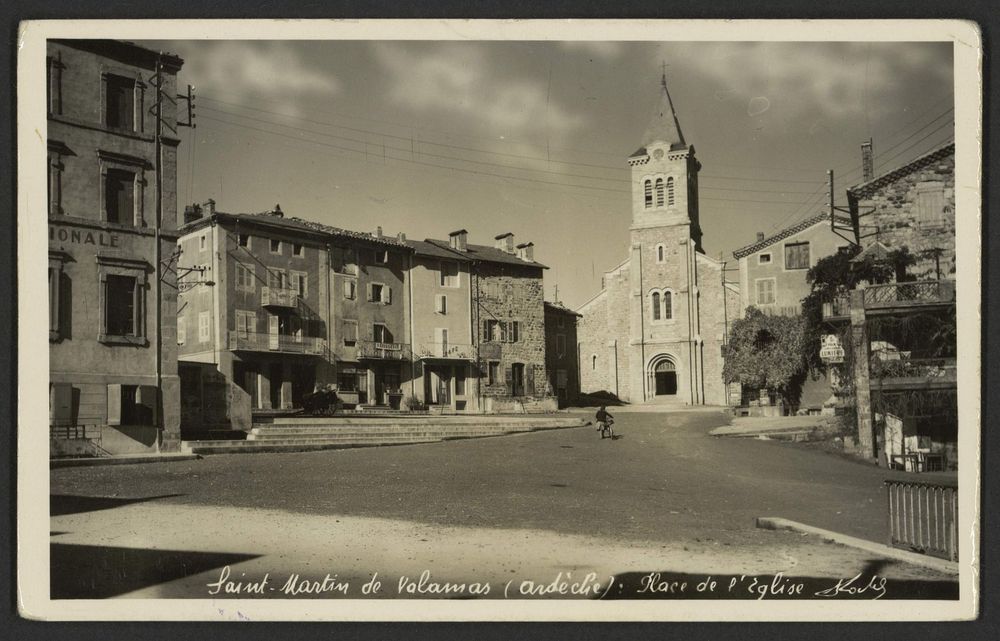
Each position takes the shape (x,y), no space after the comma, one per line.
(664,127)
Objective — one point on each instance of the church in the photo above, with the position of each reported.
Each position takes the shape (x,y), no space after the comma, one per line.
(654,333)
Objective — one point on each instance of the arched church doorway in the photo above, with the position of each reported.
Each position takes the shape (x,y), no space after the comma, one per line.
(663,377)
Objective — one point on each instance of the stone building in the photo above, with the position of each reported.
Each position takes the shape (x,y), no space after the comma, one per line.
(902,334)
(655,331)
(112,352)
(561,360)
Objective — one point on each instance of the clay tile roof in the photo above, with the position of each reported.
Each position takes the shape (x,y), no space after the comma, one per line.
(866,189)
(487,254)
(785,233)
(559,307)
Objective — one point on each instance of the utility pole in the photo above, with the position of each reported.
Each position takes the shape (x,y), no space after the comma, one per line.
(158,295)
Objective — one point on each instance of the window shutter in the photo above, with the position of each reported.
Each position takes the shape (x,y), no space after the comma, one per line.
(516,325)
(508,377)
(529,374)
(387,295)
(371,293)
(114,404)
(61,404)
(272,330)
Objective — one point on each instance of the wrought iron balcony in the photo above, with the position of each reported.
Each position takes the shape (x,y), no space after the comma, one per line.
(278,343)
(917,293)
(279,297)
(375,350)
(453,351)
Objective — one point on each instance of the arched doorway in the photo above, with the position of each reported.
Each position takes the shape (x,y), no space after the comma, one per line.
(662,377)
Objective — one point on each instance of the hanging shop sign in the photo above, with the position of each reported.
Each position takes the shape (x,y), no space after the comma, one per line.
(831,350)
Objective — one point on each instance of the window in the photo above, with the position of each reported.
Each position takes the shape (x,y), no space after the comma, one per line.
(460,380)
(122,299)
(56,168)
(930,203)
(501,331)
(660,253)
(275,246)
(275,278)
(449,274)
(656,306)
(132,404)
(659,192)
(593,361)
(670,191)
(441,304)
(381,333)
(375,292)
(491,330)
(204,327)
(493,373)
(246,323)
(243,240)
(245,281)
(797,256)
(668,305)
(764,259)
(561,322)
(648,191)
(381,256)
(350,332)
(202,242)
(765,291)
(119,103)
(54,67)
(560,344)
(299,282)
(347,382)
(298,250)
(345,261)
(119,197)
(55,274)
(350,289)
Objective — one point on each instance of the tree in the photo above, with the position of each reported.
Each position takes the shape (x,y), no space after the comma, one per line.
(767,352)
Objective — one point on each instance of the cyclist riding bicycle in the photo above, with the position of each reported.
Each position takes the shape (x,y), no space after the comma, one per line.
(604,420)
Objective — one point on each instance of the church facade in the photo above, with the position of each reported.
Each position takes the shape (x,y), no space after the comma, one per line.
(654,333)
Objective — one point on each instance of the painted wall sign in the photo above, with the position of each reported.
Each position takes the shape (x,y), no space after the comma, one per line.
(82,237)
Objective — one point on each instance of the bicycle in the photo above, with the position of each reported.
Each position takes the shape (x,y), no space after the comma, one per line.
(606,430)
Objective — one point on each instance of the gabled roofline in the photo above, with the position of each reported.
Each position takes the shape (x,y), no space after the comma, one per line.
(788,232)
(865,189)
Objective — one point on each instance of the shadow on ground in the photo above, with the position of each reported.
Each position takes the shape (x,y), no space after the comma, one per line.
(866,585)
(62,504)
(98,572)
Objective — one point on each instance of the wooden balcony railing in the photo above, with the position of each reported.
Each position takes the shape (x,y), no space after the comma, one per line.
(927,292)
(279,297)
(383,351)
(839,307)
(456,351)
(281,343)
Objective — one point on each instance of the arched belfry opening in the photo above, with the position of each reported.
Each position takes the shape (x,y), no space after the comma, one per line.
(662,376)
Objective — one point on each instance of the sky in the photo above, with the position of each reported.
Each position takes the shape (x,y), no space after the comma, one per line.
(532,138)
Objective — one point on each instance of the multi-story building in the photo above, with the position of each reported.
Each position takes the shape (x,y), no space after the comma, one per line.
(254,310)
(561,358)
(370,330)
(442,317)
(111,213)
(902,334)
(773,269)
(655,331)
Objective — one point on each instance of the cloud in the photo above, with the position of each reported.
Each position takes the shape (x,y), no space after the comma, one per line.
(275,71)
(819,80)
(459,81)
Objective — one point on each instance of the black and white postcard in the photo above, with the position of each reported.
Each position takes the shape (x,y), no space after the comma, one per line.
(499,320)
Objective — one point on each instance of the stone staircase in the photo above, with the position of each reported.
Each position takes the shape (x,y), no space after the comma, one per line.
(300,434)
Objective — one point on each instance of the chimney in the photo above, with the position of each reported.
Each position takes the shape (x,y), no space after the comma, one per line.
(526,251)
(505,242)
(277,212)
(459,240)
(210,206)
(760,236)
(868,161)
(191,213)
(378,231)
(401,237)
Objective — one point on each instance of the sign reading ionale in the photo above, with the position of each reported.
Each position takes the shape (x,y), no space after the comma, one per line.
(82,237)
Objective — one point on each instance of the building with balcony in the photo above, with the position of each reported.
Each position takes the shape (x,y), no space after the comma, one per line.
(112,349)
(902,335)
(442,318)
(561,356)
(253,314)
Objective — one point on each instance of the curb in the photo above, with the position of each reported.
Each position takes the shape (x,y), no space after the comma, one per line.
(934,563)
(55,463)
